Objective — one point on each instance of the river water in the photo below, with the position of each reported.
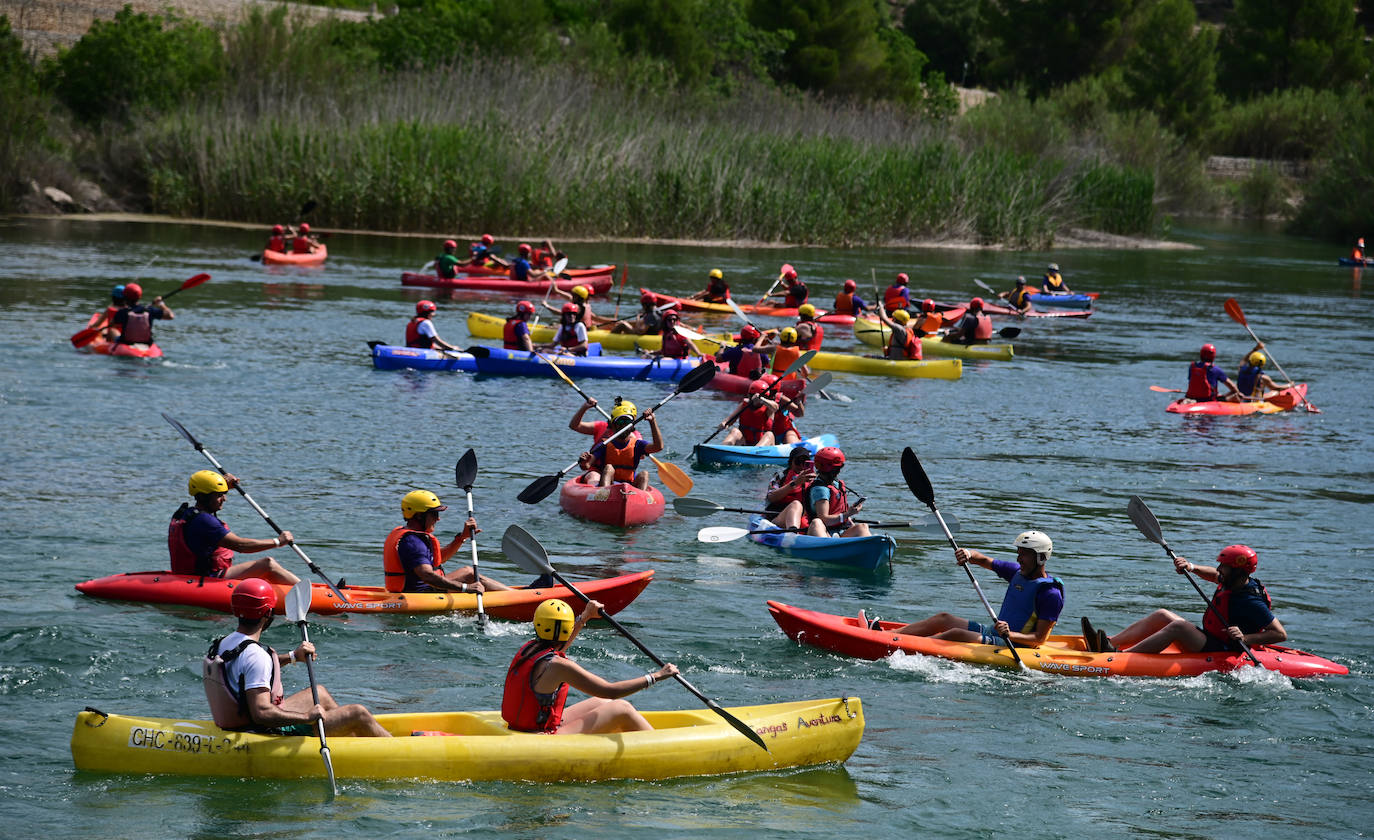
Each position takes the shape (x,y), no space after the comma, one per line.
(269,368)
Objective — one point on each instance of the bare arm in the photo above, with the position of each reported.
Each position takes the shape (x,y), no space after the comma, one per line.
(245,545)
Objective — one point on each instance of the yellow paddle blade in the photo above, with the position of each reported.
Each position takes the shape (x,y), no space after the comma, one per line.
(673,477)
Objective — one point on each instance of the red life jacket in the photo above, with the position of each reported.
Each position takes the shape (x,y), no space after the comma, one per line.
(523,708)
(796,294)
(138,327)
(567,337)
(413,336)
(839,498)
(844,303)
(982,330)
(901,344)
(392,568)
(228,707)
(623,457)
(1221,599)
(184,561)
(508,334)
(817,333)
(717,291)
(301,245)
(277,243)
(674,347)
(783,358)
(896,297)
(782,424)
(753,422)
(796,494)
(541,258)
(1199,386)
(749,363)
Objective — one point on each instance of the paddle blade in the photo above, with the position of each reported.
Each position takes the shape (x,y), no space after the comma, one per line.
(1161,389)
(916,479)
(1144,519)
(182,429)
(477,351)
(723,533)
(465,471)
(692,334)
(85,337)
(697,377)
(819,383)
(1009,332)
(539,489)
(521,548)
(673,477)
(190,283)
(298,601)
(696,507)
(984,286)
(560,266)
(1233,309)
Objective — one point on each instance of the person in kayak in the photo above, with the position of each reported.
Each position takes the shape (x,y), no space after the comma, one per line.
(413,560)
(1252,383)
(482,253)
(539,676)
(787,488)
(898,295)
(1019,297)
(902,343)
(647,322)
(848,302)
(1357,253)
(304,243)
(597,429)
(579,296)
(741,359)
(1053,282)
(810,333)
(521,269)
(277,241)
(242,679)
(447,264)
(545,255)
(420,330)
(618,459)
(826,501)
(1242,613)
(99,322)
(571,335)
(929,322)
(974,328)
(1204,376)
(675,344)
(515,335)
(785,352)
(784,419)
(716,291)
(201,544)
(1032,605)
(133,323)
(794,292)
(753,418)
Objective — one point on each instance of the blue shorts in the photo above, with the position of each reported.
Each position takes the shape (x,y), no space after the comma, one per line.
(989,634)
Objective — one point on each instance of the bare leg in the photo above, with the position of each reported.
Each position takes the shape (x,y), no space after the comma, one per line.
(790,516)
(1182,631)
(353,719)
(262,567)
(734,437)
(935,624)
(766,439)
(1147,626)
(607,476)
(596,714)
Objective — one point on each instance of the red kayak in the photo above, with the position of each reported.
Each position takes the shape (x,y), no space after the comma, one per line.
(101,347)
(1063,655)
(516,604)
(620,504)
(597,279)
(315,257)
(751,308)
(733,383)
(1285,400)
(996,309)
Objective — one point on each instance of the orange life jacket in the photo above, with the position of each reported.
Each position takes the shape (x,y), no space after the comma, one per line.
(395,573)
(783,358)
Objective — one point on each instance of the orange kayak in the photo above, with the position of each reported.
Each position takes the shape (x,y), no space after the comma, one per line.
(316,257)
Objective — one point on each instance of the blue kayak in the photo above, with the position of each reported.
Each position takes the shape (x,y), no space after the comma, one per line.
(757,456)
(392,357)
(1070,301)
(497,361)
(1355,262)
(866,554)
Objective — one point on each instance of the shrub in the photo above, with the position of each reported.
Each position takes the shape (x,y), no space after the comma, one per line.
(1295,124)
(24,126)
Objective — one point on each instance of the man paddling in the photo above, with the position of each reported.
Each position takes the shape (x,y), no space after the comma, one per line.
(826,501)
(571,335)
(242,679)
(598,430)
(848,302)
(277,241)
(618,460)
(974,328)
(810,333)
(201,544)
(447,263)
(753,418)
(716,291)
(647,322)
(539,676)
(1204,377)
(794,293)
(515,335)
(133,323)
(898,295)
(1019,297)
(1252,383)
(902,343)
(304,243)
(1053,282)
(1242,613)
(413,559)
(1032,605)
(420,330)
(741,358)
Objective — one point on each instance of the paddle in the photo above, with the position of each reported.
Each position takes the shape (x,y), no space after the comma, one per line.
(297,605)
(1161,389)
(1145,520)
(791,369)
(624,272)
(725,533)
(705,507)
(1233,309)
(919,484)
(464,474)
(520,546)
(544,485)
(767,294)
(239,487)
(305,211)
(671,475)
(90,334)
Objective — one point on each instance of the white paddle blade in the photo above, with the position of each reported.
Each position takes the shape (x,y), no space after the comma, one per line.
(720,534)
(298,601)
(559,266)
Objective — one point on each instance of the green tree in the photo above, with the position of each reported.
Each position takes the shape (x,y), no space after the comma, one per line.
(669,29)
(835,45)
(1273,45)
(949,33)
(135,60)
(1171,68)
(24,126)
(1047,43)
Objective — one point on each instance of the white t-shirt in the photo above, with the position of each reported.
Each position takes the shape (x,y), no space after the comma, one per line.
(254,664)
(426,328)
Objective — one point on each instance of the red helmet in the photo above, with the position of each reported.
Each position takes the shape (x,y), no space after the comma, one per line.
(758,386)
(278,230)
(524,307)
(789,273)
(253,598)
(902,279)
(648,297)
(671,313)
(976,305)
(749,332)
(569,308)
(305,227)
(487,240)
(1242,557)
(829,459)
(449,243)
(927,305)
(425,307)
(1207,353)
(850,285)
(132,291)
(524,248)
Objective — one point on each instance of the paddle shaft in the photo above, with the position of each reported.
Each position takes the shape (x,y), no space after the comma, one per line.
(319,724)
(711,704)
(943,527)
(772,389)
(1277,366)
(482,617)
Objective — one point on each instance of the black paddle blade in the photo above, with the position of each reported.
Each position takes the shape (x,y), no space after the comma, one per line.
(479,352)
(1144,519)
(1009,332)
(539,489)
(465,471)
(687,506)
(182,429)
(256,257)
(916,479)
(698,377)
(521,548)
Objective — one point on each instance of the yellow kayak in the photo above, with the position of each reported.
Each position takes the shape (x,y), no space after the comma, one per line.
(478,747)
(875,334)
(485,326)
(928,369)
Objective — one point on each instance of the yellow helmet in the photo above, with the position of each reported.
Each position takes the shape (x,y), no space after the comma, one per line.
(553,621)
(806,310)
(624,408)
(788,335)
(1257,359)
(206,481)
(901,316)
(717,274)
(420,501)
(580,292)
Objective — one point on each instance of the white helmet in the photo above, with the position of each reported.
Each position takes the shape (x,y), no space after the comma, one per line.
(1036,541)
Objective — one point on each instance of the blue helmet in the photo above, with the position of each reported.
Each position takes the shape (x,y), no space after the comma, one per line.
(117,293)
